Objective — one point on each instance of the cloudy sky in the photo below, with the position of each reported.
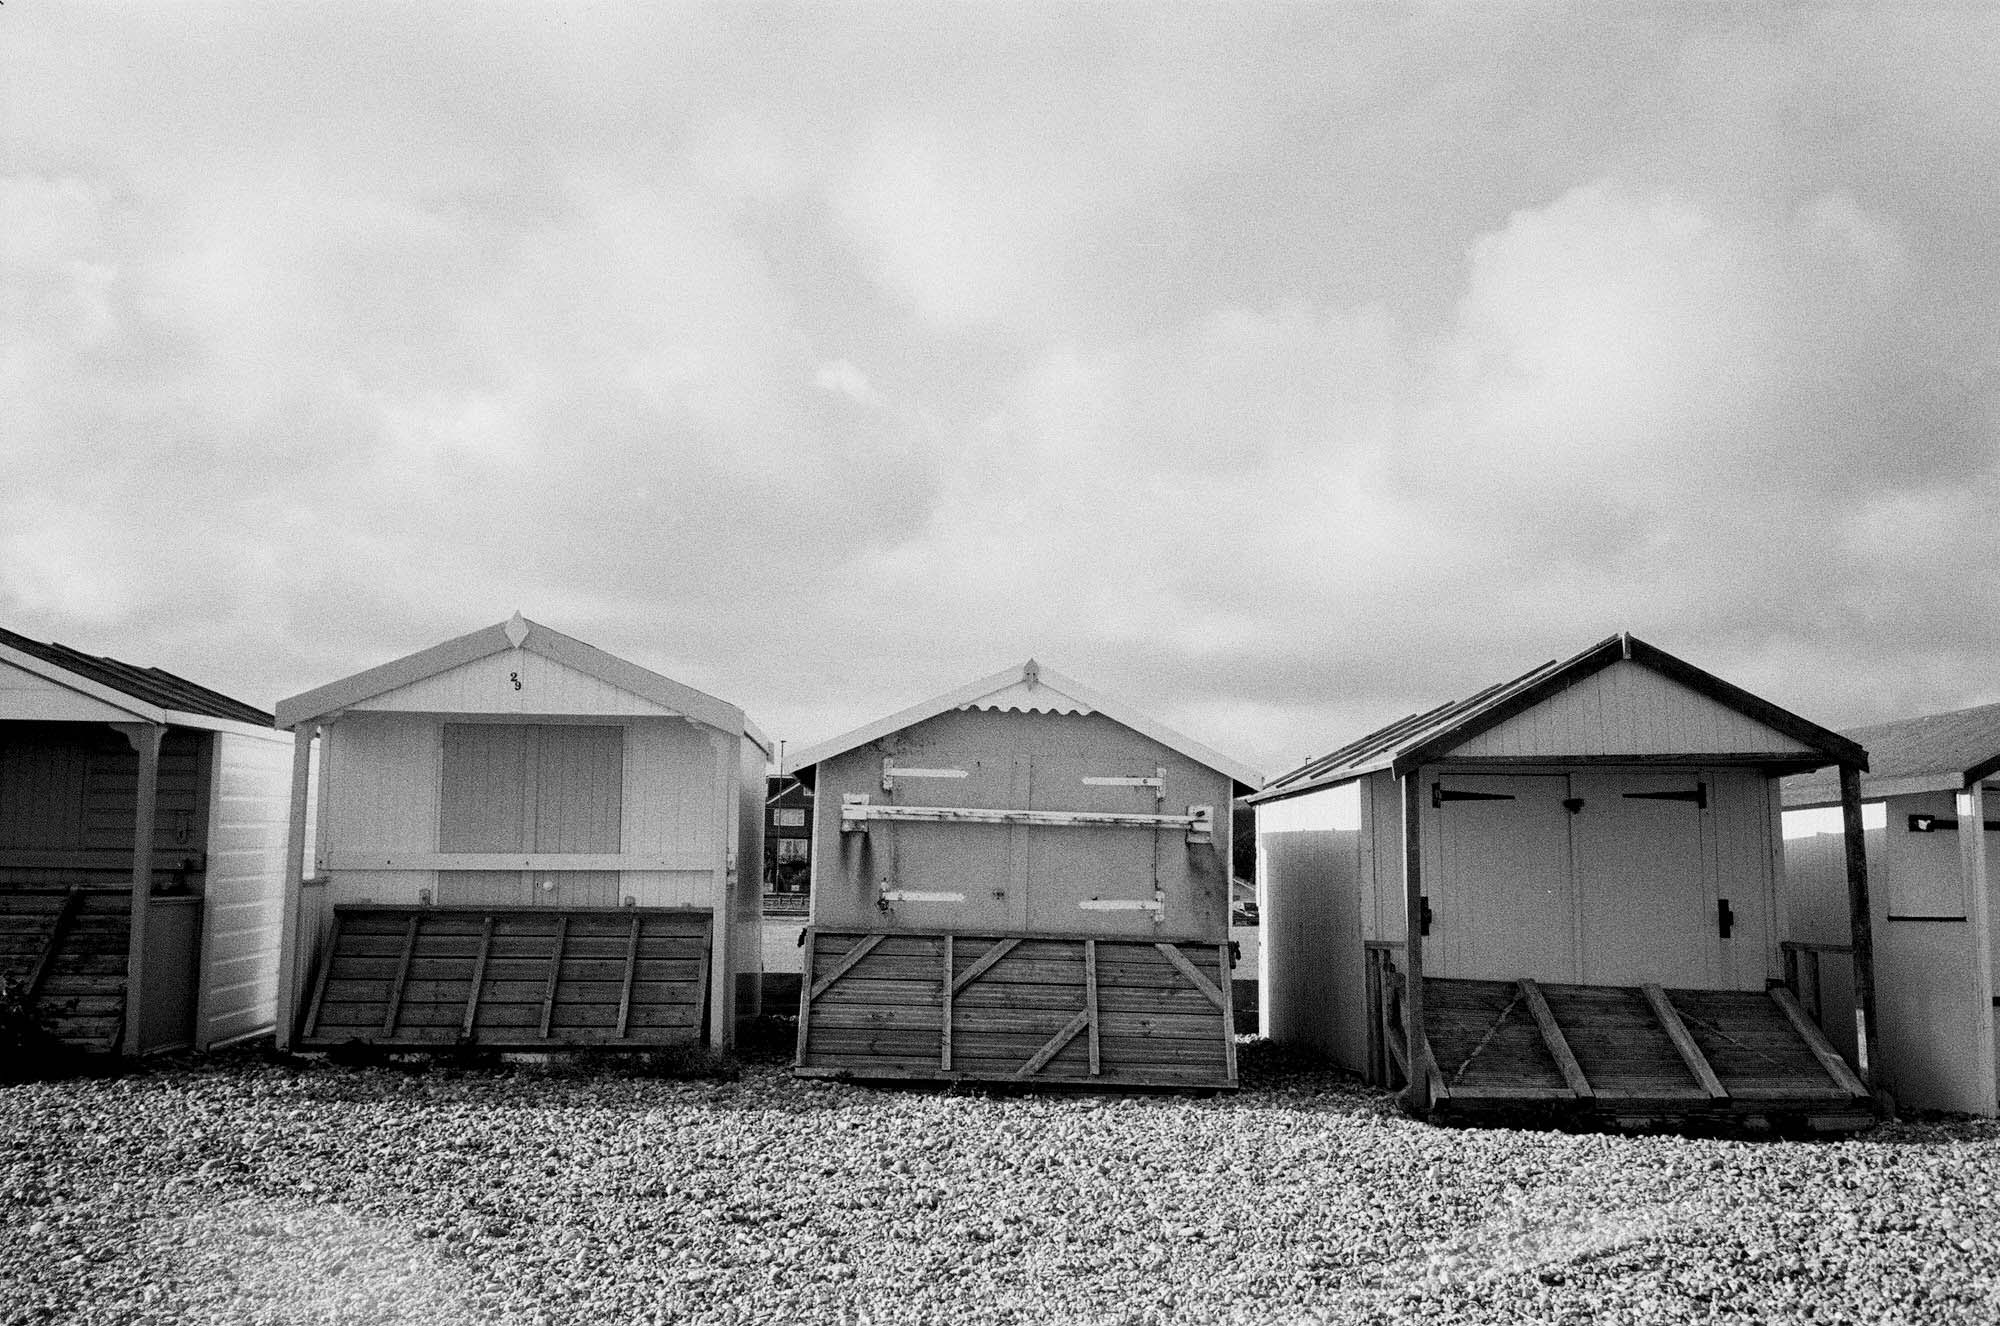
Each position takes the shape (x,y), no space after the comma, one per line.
(1280,369)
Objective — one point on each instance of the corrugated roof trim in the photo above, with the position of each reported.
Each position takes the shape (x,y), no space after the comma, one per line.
(1035,685)
(153,686)
(1029,697)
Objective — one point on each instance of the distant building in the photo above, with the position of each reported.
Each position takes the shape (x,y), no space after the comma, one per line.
(787,847)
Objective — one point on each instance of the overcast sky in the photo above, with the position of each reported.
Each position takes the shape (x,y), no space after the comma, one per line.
(1278,369)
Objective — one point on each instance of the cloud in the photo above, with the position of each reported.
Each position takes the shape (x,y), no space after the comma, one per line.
(1281,370)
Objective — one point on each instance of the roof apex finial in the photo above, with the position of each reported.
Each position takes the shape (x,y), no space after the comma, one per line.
(1031,672)
(516,629)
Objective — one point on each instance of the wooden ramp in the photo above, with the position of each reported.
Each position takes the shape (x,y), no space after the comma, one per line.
(1639,1052)
(521,979)
(1070,1011)
(67,951)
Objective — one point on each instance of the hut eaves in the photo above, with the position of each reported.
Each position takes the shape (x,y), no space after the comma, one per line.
(520,633)
(1411,741)
(149,694)
(1929,753)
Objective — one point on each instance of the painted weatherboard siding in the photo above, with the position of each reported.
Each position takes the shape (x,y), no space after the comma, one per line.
(1309,863)
(1627,709)
(244,899)
(514,682)
(1928,993)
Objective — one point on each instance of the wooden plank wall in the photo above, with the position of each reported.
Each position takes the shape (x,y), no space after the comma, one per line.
(244,890)
(1023,1008)
(71,787)
(1627,709)
(382,779)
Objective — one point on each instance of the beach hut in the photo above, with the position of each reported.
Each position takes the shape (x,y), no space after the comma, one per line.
(142,834)
(1932,830)
(522,843)
(1019,880)
(1563,891)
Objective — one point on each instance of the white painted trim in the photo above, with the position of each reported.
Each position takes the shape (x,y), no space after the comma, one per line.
(967,694)
(550,861)
(545,641)
(208,723)
(1973,864)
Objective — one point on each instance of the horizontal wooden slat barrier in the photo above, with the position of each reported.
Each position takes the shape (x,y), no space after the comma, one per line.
(511,979)
(1069,1010)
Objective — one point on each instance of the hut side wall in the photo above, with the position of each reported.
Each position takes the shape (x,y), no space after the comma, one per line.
(1927,956)
(243,908)
(1022,878)
(1310,884)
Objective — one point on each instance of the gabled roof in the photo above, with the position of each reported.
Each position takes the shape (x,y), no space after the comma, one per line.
(1409,742)
(160,696)
(1929,753)
(1029,688)
(518,633)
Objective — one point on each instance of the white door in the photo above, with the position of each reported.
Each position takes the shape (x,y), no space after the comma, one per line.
(1647,914)
(1501,895)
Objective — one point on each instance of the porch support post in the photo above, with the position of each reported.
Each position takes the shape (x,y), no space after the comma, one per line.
(1979,909)
(1860,921)
(723,900)
(288,921)
(1416,1095)
(145,739)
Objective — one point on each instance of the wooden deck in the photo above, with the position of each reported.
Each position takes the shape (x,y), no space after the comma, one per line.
(1634,1053)
(521,979)
(1070,1011)
(67,949)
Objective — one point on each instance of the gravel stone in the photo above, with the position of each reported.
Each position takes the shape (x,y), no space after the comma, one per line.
(250,1189)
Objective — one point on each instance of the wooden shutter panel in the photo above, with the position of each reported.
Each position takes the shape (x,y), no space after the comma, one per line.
(581,796)
(483,803)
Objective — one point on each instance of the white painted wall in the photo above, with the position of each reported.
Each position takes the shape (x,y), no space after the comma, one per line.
(1934,1012)
(244,891)
(1309,860)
